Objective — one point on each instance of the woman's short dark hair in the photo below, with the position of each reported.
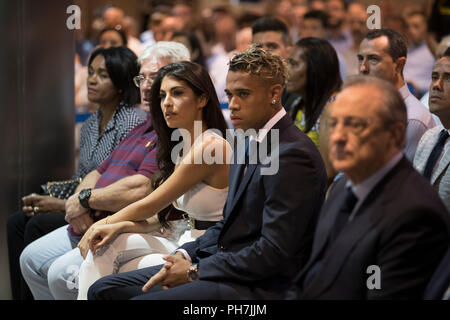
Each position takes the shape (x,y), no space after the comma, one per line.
(122,67)
(120,32)
(197,78)
(322,77)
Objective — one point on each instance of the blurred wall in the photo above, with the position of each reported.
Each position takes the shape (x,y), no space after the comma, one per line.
(37,112)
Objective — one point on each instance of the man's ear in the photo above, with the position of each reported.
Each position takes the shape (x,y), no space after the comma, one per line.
(400,64)
(398,133)
(275,91)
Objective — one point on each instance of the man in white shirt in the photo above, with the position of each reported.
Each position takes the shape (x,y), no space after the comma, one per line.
(382,53)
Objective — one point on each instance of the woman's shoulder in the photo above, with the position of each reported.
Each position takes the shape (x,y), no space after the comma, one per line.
(132,113)
(214,138)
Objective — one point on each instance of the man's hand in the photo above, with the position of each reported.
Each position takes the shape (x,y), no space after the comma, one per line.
(74,208)
(172,274)
(81,224)
(34,204)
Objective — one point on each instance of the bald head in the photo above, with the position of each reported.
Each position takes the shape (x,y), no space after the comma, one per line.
(113,16)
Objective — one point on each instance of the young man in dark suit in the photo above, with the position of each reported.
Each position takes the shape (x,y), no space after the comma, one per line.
(383,229)
(269,217)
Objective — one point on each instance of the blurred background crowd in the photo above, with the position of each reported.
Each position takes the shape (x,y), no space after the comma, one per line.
(215,30)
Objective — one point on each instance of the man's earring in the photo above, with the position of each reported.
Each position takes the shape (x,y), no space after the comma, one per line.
(274,101)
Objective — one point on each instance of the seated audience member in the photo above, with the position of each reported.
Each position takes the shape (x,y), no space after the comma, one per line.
(338,33)
(383,229)
(272,35)
(123,178)
(357,23)
(382,53)
(268,222)
(432,158)
(441,48)
(315,23)
(112,37)
(114,17)
(314,76)
(420,59)
(110,73)
(182,96)
(190,40)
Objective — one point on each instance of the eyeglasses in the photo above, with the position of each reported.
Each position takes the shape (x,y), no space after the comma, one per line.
(354,125)
(139,80)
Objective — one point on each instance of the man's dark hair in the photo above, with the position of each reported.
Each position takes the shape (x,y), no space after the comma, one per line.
(397,43)
(266,24)
(318,15)
(120,32)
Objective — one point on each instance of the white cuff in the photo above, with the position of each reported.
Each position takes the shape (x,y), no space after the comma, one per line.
(185,254)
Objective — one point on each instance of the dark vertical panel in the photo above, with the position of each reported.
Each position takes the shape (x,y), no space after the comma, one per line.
(36,103)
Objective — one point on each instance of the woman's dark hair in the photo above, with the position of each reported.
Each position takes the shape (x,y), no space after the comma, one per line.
(121,33)
(122,67)
(195,45)
(322,77)
(197,78)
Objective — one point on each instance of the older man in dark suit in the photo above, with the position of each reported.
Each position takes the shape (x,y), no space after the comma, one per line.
(383,229)
(269,217)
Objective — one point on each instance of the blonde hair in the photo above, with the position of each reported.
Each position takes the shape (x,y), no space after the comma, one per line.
(261,63)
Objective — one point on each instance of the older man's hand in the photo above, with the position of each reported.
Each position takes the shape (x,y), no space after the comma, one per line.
(74,208)
(81,224)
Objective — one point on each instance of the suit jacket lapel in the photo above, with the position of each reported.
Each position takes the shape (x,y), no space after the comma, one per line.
(325,223)
(443,164)
(237,188)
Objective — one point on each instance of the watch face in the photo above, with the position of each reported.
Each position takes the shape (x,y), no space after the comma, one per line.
(84,196)
(193,273)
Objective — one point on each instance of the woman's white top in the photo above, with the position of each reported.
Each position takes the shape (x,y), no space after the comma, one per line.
(203,202)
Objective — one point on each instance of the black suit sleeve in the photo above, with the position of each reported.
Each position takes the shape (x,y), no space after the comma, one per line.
(208,241)
(288,210)
(409,253)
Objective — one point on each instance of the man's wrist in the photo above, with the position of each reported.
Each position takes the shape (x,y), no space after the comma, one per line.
(83,198)
(193,273)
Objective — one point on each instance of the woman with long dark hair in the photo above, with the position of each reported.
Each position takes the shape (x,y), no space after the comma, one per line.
(314,75)
(193,177)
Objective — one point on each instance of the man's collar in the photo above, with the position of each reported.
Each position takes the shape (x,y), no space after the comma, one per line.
(362,189)
(404,91)
(269,125)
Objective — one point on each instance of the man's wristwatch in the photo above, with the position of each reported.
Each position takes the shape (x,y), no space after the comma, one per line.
(83,197)
(193,272)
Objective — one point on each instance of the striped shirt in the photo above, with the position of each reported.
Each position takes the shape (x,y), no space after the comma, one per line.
(96,147)
(136,154)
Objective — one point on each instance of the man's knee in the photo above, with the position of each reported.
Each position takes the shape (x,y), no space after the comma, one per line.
(27,263)
(97,291)
(16,223)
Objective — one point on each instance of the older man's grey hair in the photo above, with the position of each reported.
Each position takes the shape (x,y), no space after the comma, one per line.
(393,107)
(170,50)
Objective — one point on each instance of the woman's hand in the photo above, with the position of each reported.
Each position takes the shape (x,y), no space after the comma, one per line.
(34,204)
(99,236)
(83,245)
